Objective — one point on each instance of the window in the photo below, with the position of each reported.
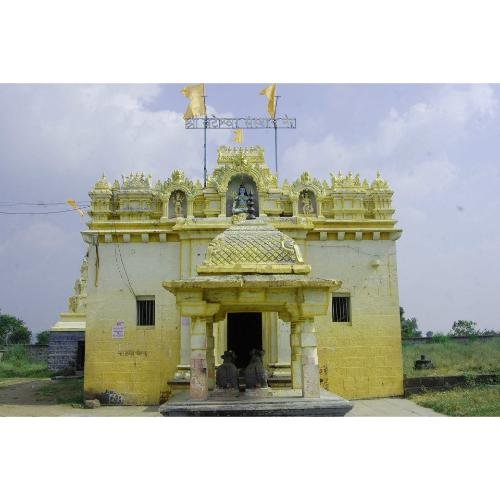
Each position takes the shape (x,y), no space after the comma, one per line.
(146,311)
(341,309)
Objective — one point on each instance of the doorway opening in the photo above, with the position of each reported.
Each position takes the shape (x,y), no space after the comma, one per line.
(80,355)
(244,333)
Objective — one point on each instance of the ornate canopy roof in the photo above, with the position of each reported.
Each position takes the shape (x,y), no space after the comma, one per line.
(253,246)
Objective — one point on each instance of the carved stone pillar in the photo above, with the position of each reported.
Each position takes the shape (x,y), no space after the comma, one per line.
(319,207)
(296,355)
(309,359)
(190,207)
(295,207)
(222,205)
(210,356)
(198,386)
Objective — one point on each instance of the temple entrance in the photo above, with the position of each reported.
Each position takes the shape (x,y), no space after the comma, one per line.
(80,355)
(244,333)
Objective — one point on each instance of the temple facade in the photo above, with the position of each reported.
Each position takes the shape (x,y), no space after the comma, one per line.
(175,272)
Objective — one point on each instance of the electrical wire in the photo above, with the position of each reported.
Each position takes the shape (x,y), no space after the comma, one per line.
(117,246)
(38,203)
(43,213)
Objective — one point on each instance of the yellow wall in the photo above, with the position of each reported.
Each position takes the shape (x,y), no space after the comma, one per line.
(362,358)
(139,365)
(357,360)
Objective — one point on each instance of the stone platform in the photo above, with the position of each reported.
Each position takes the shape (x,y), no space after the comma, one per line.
(271,403)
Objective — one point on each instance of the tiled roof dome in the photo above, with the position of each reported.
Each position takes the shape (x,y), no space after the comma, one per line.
(253,246)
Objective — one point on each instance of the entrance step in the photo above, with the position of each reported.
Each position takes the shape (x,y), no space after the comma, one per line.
(279,403)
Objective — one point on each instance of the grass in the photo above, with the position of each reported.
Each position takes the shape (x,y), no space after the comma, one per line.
(480,401)
(15,364)
(454,358)
(22,370)
(63,391)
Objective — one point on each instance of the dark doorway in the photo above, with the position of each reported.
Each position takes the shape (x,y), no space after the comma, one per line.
(80,355)
(244,333)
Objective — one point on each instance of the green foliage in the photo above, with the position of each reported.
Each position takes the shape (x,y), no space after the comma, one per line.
(16,354)
(453,358)
(409,327)
(439,338)
(464,328)
(43,337)
(13,330)
(476,401)
(22,370)
(15,363)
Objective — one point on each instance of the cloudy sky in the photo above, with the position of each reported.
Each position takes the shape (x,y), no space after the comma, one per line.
(437,145)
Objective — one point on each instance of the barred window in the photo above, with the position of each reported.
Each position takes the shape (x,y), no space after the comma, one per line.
(341,309)
(145,312)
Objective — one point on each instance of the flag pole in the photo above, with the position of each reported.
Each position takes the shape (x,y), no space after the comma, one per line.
(205,143)
(276,136)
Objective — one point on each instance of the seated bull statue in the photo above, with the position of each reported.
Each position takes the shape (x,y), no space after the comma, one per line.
(255,373)
(226,376)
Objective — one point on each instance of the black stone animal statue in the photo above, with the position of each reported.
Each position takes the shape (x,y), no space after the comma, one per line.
(255,373)
(423,363)
(226,376)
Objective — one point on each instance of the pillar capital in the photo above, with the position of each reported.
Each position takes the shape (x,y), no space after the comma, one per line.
(198,309)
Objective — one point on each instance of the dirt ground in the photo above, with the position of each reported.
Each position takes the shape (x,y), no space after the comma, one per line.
(19,398)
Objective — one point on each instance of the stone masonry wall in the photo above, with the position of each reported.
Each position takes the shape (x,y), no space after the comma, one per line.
(63,347)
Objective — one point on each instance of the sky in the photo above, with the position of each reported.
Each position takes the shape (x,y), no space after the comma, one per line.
(437,145)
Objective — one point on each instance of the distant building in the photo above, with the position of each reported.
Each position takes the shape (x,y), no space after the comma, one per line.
(172,263)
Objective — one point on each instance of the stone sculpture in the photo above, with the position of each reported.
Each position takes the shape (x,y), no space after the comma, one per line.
(423,363)
(179,198)
(227,374)
(240,200)
(255,373)
(307,208)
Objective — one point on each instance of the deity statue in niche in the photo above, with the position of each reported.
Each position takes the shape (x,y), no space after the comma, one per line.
(240,200)
(307,208)
(178,199)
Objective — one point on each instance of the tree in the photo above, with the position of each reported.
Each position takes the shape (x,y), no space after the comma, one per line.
(42,338)
(13,330)
(409,327)
(463,328)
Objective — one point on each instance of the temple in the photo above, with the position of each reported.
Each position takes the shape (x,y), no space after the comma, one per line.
(176,274)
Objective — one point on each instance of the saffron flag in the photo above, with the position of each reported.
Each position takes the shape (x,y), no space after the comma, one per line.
(72,203)
(238,135)
(270,93)
(196,96)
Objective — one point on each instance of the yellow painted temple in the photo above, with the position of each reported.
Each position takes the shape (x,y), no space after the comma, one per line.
(175,275)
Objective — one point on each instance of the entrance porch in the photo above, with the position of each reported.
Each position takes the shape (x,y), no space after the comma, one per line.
(209,299)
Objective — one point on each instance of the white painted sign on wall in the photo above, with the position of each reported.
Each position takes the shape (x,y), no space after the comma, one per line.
(118,331)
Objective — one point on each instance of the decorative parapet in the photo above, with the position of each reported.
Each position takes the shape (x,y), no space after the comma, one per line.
(100,197)
(237,161)
(179,182)
(136,199)
(348,182)
(136,181)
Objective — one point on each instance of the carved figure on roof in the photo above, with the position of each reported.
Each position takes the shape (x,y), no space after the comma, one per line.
(240,200)
(179,198)
(307,207)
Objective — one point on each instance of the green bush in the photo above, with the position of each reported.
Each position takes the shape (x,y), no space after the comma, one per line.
(15,363)
(16,354)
